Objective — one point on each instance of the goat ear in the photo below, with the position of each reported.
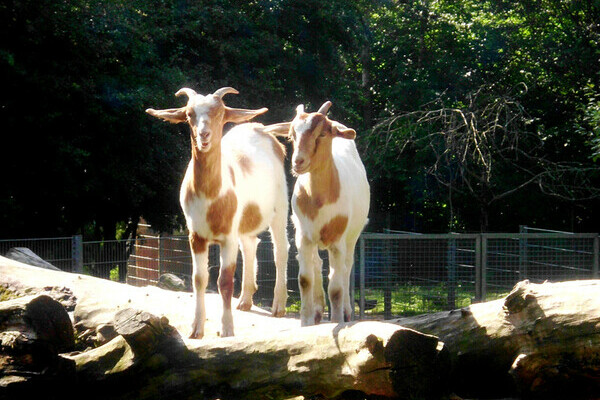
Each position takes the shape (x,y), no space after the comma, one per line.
(173,115)
(342,131)
(281,129)
(242,115)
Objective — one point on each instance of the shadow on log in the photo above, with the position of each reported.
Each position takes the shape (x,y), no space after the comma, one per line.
(33,331)
(542,341)
(150,360)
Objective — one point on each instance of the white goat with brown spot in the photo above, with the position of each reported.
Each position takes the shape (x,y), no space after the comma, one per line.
(330,206)
(233,189)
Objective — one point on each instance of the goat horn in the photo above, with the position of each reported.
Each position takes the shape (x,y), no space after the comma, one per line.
(225,90)
(325,107)
(187,91)
(300,109)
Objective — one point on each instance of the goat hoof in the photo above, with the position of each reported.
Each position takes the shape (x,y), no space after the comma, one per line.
(278,312)
(227,333)
(318,317)
(196,335)
(244,306)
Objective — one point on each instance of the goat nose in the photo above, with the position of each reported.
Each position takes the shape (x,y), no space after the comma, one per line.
(298,162)
(204,134)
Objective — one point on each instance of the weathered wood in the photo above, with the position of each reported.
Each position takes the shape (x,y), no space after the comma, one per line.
(268,357)
(325,360)
(33,330)
(542,340)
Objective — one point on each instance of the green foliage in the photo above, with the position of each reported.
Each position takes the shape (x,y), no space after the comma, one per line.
(85,158)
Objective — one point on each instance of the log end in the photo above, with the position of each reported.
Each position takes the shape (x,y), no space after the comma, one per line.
(419,365)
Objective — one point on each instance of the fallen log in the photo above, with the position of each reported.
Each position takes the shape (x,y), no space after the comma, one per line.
(268,358)
(541,341)
(374,358)
(33,331)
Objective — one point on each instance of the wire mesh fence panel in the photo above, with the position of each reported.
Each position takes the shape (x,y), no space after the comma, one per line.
(106,259)
(410,274)
(394,274)
(56,251)
(537,257)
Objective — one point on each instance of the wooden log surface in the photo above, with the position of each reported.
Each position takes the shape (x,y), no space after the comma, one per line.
(542,341)
(33,331)
(148,357)
(99,299)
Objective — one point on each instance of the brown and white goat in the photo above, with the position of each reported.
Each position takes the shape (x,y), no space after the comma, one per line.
(233,189)
(330,205)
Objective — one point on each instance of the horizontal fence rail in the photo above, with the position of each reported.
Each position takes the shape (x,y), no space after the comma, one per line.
(395,273)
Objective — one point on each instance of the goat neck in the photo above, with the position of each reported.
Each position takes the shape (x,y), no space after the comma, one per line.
(324,182)
(206,171)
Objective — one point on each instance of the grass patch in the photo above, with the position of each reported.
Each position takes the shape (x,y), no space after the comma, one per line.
(409,300)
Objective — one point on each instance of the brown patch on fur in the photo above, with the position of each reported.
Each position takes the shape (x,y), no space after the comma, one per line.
(251,218)
(308,205)
(333,230)
(278,148)
(323,188)
(232,175)
(225,283)
(318,317)
(245,164)
(197,243)
(206,173)
(335,296)
(220,213)
(303,281)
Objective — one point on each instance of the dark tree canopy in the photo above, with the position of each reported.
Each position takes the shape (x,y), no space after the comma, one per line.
(81,156)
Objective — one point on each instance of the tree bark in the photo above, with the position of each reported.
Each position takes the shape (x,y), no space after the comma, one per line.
(33,330)
(325,360)
(268,358)
(541,341)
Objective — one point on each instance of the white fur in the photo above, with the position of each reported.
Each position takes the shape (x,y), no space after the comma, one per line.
(264,185)
(353,202)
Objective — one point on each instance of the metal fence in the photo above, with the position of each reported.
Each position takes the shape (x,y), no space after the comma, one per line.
(403,274)
(156,255)
(395,273)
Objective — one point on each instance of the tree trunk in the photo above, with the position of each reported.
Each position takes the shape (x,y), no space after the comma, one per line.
(542,341)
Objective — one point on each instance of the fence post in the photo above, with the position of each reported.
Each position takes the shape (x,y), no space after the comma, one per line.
(484,265)
(77,254)
(387,288)
(361,287)
(523,259)
(478,281)
(451,261)
(596,266)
